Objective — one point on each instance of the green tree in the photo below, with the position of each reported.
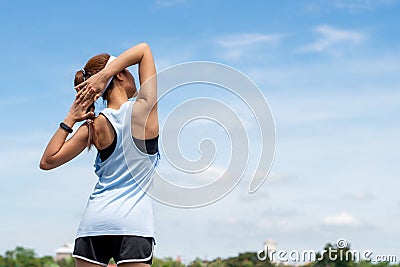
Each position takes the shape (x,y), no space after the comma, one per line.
(9,260)
(218,262)
(47,261)
(2,261)
(166,262)
(247,263)
(196,263)
(332,256)
(383,264)
(364,264)
(25,257)
(247,259)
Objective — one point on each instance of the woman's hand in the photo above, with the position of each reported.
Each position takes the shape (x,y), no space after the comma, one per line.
(59,151)
(96,83)
(79,109)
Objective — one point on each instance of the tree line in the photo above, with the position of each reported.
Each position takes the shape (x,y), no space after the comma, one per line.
(25,257)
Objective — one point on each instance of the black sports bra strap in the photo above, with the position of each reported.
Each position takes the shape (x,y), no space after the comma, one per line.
(148,146)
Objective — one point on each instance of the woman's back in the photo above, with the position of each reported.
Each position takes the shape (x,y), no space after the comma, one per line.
(119,197)
(118,219)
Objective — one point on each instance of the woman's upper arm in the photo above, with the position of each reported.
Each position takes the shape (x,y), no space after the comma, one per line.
(71,148)
(144,116)
(147,76)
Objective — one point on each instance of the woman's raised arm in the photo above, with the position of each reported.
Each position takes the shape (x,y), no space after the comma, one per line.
(59,151)
(138,54)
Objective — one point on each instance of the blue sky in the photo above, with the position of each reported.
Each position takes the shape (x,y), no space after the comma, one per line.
(330,72)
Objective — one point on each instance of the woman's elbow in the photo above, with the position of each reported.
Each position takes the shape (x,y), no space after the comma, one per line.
(44,165)
(145,45)
(145,48)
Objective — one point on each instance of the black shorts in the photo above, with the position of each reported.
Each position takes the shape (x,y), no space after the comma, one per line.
(122,248)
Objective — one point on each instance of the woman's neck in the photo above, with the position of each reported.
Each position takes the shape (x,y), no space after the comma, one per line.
(116,97)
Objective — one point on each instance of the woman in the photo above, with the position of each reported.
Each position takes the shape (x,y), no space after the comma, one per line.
(118,220)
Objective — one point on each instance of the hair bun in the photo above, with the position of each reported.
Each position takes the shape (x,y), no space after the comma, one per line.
(79,77)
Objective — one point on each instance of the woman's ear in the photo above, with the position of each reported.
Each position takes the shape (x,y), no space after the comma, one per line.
(119,76)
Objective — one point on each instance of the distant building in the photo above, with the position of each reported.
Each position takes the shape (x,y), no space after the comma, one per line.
(270,247)
(178,258)
(64,252)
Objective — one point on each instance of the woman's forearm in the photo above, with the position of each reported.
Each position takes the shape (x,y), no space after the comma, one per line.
(55,144)
(130,57)
(139,54)
(59,151)
(59,138)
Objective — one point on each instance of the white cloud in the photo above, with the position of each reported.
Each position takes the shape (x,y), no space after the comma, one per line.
(245,39)
(236,45)
(356,5)
(278,178)
(13,102)
(342,219)
(318,75)
(265,224)
(179,178)
(168,3)
(360,196)
(331,38)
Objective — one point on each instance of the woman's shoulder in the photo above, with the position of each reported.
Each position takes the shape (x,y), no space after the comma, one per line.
(100,119)
(104,132)
(100,122)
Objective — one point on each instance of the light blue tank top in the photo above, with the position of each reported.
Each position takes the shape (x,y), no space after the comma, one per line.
(119,205)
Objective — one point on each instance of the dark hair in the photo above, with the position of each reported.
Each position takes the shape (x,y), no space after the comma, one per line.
(93,66)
